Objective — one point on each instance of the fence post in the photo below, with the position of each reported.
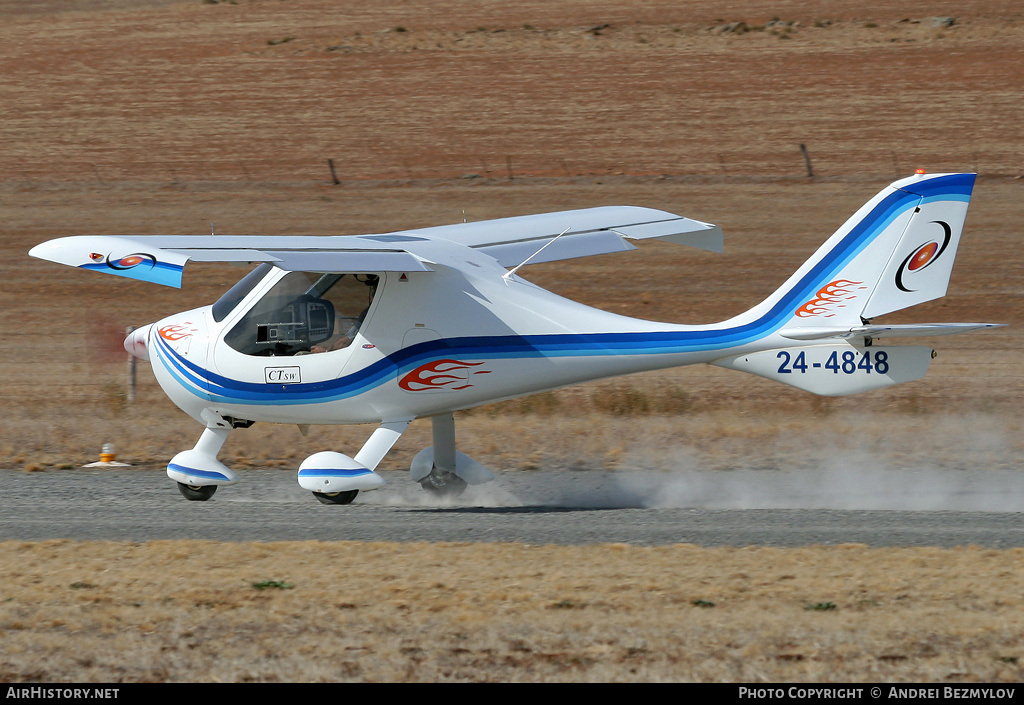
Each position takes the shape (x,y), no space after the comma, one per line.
(807,160)
(334,175)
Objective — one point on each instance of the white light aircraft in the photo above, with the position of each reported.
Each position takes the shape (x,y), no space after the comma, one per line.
(384,329)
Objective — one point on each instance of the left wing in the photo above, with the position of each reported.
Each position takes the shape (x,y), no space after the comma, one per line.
(162,258)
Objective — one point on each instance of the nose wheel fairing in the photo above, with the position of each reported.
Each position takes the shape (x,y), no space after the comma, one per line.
(199,467)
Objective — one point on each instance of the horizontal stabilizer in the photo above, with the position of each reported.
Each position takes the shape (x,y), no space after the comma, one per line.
(918,330)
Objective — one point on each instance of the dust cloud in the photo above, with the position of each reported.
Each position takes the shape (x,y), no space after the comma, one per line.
(951,468)
(847,486)
(931,465)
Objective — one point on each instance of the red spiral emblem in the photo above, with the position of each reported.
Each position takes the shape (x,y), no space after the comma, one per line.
(131,261)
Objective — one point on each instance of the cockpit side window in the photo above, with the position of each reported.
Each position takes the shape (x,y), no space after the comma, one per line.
(305,312)
(233,296)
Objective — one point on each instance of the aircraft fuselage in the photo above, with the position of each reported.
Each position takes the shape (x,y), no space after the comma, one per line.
(411,357)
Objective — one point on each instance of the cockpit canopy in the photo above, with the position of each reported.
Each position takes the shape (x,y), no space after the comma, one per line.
(304,312)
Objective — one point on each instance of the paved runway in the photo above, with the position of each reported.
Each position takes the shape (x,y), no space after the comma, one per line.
(764,508)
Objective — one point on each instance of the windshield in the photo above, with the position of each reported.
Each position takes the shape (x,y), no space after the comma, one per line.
(305,312)
(226,303)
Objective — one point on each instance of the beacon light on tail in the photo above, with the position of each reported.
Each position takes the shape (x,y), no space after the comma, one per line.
(383,329)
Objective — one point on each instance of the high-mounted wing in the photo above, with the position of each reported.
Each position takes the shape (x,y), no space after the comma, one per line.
(589,231)
(162,258)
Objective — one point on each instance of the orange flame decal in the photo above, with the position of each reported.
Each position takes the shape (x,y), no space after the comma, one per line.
(176,332)
(830,297)
(440,374)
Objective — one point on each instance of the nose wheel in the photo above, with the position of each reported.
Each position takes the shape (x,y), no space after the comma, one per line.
(196,493)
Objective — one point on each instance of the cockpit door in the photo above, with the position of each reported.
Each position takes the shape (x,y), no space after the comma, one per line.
(299,332)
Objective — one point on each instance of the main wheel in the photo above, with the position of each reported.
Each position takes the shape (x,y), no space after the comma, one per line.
(196,493)
(336,497)
(443,484)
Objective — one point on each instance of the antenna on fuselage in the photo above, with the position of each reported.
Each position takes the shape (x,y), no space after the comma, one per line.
(512,271)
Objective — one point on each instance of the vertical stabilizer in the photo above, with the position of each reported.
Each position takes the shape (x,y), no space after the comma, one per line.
(921,264)
(895,252)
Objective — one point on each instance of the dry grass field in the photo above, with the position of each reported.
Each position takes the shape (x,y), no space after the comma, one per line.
(157,116)
(309,611)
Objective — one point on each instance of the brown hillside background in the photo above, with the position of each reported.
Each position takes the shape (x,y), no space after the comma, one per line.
(160,117)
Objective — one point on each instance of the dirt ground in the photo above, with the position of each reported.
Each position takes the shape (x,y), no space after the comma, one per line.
(154,116)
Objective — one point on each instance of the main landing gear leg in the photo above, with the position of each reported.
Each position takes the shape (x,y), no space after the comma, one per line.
(442,470)
(442,479)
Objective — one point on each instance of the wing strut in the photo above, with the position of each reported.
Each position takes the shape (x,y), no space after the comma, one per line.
(507,275)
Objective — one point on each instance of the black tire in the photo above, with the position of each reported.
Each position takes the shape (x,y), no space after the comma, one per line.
(196,493)
(336,497)
(443,484)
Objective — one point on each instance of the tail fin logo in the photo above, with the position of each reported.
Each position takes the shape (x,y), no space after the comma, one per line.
(923,256)
(831,297)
